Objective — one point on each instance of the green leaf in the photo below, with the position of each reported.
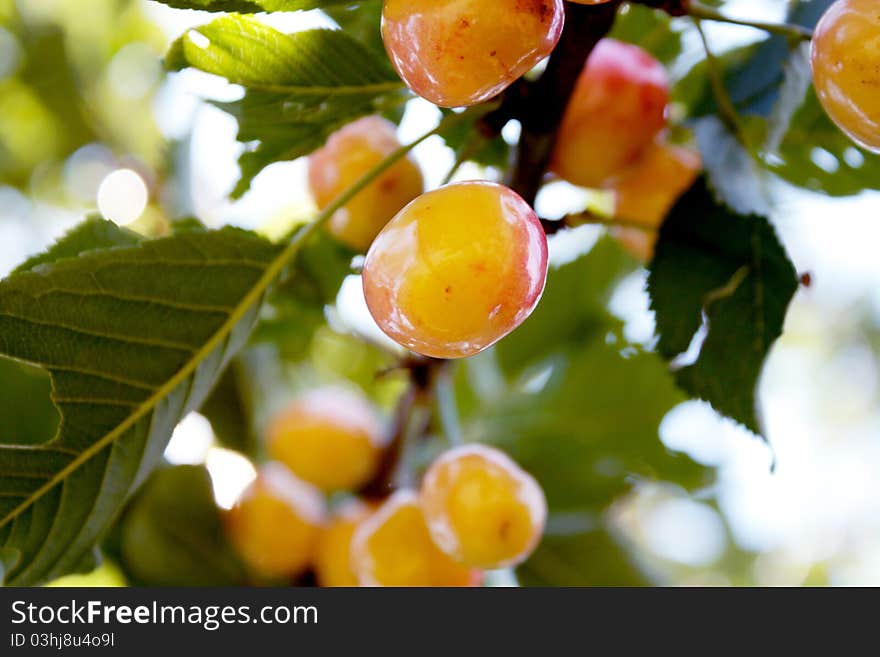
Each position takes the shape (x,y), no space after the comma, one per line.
(591,428)
(852,169)
(363,22)
(594,557)
(792,93)
(94,233)
(300,87)
(754,75)
(771,84)
(736,175)
(573,309)
(799,127)
(227,410)
(470,146)
(28,415)
(732,268)
(134,337)
(297,305)
(254,6)
(172,534)
(56,96)
(651,29)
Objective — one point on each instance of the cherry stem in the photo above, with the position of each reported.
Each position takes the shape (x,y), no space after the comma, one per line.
(726,108)
(411,421)
(471,147)
(795,32)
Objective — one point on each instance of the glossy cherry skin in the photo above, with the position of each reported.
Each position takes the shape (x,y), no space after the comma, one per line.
(462,52)
(275,523)
(482,508)
(457,270)
(846,68)
(349,154)
(330,437)
(394,548)
(617,109)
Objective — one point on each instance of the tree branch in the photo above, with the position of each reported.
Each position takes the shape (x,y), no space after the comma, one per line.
(408,424)
(539,106)
(671,7)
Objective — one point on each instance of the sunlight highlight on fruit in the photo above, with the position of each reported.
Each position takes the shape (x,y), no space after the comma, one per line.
(349,154)
(463,52)
(846,68)
(457,270)
(482,508)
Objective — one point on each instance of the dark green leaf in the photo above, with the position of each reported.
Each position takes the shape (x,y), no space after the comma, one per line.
(592,557)
(732,268)
(296,308)
(754,75)
(29,418)
(736,175)
(469,145)
(228,411)
(134,338)
(591,428)
(363,22)
(572,310)
(771,84)
(94,233)
(798,79)
(843,170)
(172,533)
(651,29)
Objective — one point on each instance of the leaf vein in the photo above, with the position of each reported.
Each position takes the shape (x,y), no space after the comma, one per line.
(144,342)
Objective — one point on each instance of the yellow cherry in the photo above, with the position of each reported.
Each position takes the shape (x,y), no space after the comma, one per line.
(395,548)
(330,437)
(275,523)
(333,566)
(457,269)
(482,508)
(463,52)
(846,68)
(349,154)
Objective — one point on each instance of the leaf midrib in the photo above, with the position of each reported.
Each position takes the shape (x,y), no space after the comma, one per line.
(371,89)
(273,271)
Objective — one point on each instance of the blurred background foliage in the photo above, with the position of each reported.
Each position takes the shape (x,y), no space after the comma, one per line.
(71,78)
(644,485)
